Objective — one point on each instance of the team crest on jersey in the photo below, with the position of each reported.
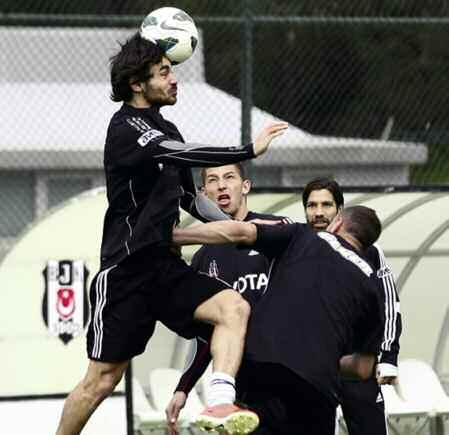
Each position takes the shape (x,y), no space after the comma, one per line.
(65,307)
(213,269)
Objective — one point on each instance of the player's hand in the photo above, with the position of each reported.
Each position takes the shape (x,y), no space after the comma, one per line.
(386,374)
(173,409)
(267,134)
(387,380)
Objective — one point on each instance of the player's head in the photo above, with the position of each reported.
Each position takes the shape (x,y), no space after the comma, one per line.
(358,222)
(141,75)
(228,187)
(322,199)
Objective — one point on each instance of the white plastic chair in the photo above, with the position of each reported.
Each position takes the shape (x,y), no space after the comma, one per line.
(398,409)
(145,417)
(419,384)
(163,382)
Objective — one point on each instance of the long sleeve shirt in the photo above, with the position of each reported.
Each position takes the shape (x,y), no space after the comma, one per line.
(148,177)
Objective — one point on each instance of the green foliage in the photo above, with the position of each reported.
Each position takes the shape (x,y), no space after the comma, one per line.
(348,8)
(436,170)
(330,76)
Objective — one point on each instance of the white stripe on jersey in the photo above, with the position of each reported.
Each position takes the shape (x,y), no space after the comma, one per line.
(215,277)
(347,254)
(133,198)
(269,275)
(391,305)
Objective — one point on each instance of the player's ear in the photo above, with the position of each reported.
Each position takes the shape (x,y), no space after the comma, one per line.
(246,187)
(135,85)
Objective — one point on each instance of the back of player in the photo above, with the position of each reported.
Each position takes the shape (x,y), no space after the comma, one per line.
(322,302)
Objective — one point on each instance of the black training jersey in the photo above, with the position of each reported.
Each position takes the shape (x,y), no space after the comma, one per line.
(243,269)
(147,167)
(324,301)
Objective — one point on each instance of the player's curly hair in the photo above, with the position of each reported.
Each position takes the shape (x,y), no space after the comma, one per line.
(132,63)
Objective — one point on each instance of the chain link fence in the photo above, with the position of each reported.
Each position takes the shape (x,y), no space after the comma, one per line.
(363,86)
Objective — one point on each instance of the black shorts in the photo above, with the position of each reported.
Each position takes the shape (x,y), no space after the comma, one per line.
(363,408)
(127,300)
(285,403)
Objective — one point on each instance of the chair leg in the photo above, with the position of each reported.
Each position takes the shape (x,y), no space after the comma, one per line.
(437,426)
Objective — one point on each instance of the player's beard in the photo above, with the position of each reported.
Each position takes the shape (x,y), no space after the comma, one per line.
(324,223)
(158,98)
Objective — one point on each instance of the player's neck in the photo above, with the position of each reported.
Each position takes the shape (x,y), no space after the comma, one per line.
(139,103)
(350,239)
(241,213)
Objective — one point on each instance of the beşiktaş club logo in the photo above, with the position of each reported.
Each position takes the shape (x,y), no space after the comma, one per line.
(65,306)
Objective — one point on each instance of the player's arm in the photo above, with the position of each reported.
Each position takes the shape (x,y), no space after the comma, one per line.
(386,370)
(197,361)
(195,154)
(216,233)
(141,143)
(368,332)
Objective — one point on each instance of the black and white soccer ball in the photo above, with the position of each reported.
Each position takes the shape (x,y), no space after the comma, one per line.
(173,30)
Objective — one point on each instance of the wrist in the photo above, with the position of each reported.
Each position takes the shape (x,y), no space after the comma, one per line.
(386,370)
(252,150)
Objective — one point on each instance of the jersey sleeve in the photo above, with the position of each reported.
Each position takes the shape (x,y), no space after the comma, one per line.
(197,260)
(197,360)
(273,240)
(197,204)
(393,319)
(136,142)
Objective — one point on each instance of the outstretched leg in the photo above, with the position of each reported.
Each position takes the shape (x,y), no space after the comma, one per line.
(229,312)
(100,380)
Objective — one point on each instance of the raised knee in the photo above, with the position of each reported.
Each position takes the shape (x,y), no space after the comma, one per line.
(238,306)
(243,308)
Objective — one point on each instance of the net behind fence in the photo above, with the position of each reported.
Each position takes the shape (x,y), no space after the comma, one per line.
(362,86)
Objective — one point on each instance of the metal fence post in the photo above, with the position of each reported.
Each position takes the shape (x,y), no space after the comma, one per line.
(129,400)
(246,72)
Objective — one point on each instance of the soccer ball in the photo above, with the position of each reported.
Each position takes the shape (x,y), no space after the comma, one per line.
(173,30)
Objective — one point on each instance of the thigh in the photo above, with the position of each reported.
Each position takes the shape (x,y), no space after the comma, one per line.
(121,321)
(180,292)
(363,408)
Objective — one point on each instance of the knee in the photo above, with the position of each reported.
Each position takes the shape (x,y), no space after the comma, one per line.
(107,384)
(102,383)
(237,307)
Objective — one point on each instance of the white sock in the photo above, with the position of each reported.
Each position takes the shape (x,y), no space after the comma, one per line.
(221,389)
